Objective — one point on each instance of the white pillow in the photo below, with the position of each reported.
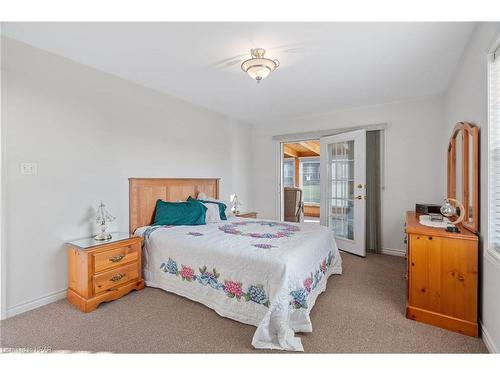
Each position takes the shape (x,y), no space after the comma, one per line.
(212,215)
(202,196)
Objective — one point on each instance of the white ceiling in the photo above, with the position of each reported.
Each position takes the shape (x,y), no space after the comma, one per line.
(324,66)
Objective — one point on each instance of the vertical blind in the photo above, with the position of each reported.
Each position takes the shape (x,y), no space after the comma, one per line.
(494,151)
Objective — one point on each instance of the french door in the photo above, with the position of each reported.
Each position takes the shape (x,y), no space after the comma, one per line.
(343,189)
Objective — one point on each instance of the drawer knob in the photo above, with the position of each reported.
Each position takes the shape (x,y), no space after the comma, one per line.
(461,278)
(117,277)
(117,258)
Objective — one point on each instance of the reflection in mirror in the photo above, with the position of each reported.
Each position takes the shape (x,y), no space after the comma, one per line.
(459,166)
(470,210)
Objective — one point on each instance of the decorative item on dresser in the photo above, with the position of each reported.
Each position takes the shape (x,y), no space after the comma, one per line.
(101,271)
(442,276)
(250,215)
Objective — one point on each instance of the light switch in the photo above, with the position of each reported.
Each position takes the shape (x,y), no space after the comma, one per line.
(28,168)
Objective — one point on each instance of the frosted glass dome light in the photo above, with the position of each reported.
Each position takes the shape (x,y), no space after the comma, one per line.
(259,67)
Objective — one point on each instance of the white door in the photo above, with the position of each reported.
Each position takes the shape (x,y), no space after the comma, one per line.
(343,189)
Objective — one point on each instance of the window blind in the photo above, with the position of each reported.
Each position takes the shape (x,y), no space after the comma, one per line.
(494,152)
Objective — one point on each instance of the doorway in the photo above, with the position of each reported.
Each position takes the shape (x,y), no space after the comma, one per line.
(301,181)
(335,181)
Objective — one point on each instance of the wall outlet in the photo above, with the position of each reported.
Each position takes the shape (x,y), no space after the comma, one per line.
(29,168)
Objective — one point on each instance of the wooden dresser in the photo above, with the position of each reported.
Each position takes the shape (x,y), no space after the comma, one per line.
(101,271)
(442,276)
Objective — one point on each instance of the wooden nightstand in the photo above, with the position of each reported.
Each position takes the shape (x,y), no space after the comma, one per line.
(101,271)
(250,215)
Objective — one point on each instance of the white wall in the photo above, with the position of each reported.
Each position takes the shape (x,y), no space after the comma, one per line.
(3,263)
(413,157)
(467,100)
(89,132)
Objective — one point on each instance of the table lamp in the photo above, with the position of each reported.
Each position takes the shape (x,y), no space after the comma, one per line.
(103,217)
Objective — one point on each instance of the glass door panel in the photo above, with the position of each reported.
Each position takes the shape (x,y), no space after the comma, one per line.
(341,188)
(343,209)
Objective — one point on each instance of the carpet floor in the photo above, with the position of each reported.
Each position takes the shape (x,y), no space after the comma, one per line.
(362,311)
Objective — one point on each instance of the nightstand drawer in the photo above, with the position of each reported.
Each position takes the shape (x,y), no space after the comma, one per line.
(115,277)
(115,257)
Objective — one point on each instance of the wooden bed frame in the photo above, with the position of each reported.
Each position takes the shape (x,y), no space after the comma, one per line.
(144,192)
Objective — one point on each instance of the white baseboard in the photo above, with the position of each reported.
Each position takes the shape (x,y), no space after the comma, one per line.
(34,303)
(394,252)
(490,345)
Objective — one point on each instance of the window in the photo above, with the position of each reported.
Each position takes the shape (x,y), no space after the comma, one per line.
(494,152)
(309,177)
(289,172)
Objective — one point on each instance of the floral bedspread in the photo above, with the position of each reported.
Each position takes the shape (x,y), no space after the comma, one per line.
(259,272)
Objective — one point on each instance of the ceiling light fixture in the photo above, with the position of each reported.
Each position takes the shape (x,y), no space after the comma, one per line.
(259,67)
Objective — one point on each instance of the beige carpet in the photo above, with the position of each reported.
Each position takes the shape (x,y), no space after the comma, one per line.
(361,311)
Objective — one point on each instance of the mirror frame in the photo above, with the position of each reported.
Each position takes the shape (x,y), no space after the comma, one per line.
(467,129)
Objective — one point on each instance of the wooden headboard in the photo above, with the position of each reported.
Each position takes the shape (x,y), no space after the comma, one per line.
(144,192)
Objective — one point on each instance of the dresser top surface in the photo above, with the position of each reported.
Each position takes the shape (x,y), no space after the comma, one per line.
(90,242)
(413,226)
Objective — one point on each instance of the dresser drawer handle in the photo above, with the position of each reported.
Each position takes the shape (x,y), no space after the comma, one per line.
(117,258)
(117,277)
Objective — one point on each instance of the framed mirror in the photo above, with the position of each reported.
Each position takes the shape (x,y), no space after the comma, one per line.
(463,171)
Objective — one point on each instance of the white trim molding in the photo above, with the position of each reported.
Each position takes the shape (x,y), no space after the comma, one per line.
(37,302)
(393,252)
(313,135)
(490,345)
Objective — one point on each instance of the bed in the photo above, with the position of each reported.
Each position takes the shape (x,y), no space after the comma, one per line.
(260,272)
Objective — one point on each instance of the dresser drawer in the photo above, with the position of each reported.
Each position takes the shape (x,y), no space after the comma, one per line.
(115,257)
(115,277)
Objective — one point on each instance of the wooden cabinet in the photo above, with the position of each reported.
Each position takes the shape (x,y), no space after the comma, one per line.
(442,277)
(103,271)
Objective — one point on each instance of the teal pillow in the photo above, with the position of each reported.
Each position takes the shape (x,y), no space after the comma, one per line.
(222,206)
(179,213)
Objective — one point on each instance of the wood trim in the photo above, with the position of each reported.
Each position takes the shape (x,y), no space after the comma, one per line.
(144,192)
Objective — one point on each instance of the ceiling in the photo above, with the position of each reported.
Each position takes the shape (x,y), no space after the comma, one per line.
(301,149)
(324,66)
